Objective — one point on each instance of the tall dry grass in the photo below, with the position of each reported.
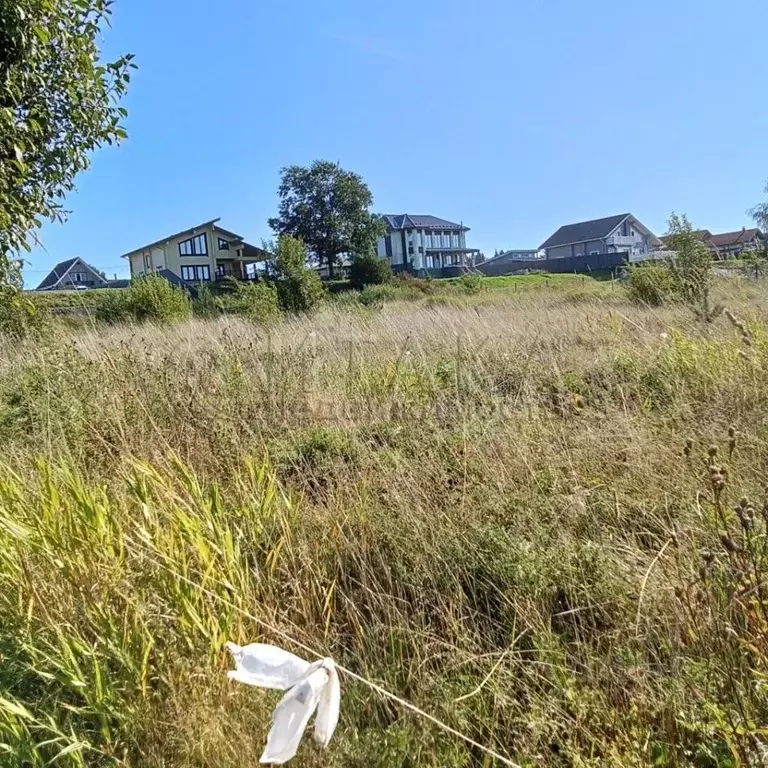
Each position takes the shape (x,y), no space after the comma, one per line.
(490,508)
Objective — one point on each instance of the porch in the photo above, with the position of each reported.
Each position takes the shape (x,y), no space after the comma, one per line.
(241,264)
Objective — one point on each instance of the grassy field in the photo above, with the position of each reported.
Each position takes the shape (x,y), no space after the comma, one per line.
(519,509)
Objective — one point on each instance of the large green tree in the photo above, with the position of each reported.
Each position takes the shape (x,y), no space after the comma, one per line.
(327,208)
(58,102)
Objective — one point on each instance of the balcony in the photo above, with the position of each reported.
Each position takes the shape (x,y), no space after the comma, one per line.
(623,241)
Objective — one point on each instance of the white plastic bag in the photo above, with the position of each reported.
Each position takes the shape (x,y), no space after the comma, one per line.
(266,666)
(310,687)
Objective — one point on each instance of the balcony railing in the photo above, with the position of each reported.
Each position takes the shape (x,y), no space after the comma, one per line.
(623,241)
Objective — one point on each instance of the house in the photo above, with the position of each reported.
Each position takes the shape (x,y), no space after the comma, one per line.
(70,275)
(511,261)
(200,254)
(420,243)
(730,244)
(621,234)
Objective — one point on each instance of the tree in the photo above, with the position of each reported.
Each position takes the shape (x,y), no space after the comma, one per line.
(691,267)
(328,209)
(756,262)
(298,288)
(760,213)
(369,269)
(58,102)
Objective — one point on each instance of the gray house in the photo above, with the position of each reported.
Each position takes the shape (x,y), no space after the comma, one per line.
(511,261)
(419,243)
(614,234)
(72,274)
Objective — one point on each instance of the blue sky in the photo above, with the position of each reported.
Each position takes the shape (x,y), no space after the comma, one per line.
(513,116)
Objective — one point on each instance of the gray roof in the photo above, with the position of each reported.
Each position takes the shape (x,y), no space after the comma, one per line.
(52,279)
(406,221)
(56,274)
(585,230)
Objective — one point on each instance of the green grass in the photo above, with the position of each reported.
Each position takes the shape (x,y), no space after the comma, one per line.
(484,502)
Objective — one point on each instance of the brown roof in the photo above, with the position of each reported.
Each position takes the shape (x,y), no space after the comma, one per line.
(704,234)
(735,238)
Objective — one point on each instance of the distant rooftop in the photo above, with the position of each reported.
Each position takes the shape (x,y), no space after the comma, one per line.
(585,230)
(408,221)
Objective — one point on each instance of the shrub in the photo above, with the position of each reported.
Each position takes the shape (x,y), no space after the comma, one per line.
(298,288)
(18,316)
(691,267)
(376,295)
(151,298)
(650,284)
(258,302)
(471,282)
(425,285)
(369,269)
(206,304)
(227,286)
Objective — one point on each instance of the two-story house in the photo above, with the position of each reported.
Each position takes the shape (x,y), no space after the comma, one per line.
(71,275)
(420,243)
(614,234)
(201,254)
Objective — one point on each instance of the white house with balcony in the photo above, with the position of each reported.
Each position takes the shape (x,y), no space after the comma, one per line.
(424,243)
(614,234)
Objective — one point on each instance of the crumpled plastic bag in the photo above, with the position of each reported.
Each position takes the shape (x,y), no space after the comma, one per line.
(309,687)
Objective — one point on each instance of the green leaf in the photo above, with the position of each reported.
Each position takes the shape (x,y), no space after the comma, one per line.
(42,34)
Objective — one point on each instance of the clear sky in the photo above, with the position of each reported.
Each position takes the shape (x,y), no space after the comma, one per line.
(513,116)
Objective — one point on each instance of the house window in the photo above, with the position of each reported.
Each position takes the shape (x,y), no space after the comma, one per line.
(147,262)
(220,270)
(223,244)
(196,274)
(79,277)
(195,246)
(410,250)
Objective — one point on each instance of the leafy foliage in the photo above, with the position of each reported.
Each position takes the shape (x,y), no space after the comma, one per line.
(258,302)
(206,305)
(760,213)
(691,267)
(150,298)
(18,315)
(650,284)
(755,262)
(328,209)
(299,288)
(369,269)
(58,102)
(471,282)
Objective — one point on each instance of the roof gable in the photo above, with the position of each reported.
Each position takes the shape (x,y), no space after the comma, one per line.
(408,221)
(162,240)
(741,236)
(582,231)
(55,276)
